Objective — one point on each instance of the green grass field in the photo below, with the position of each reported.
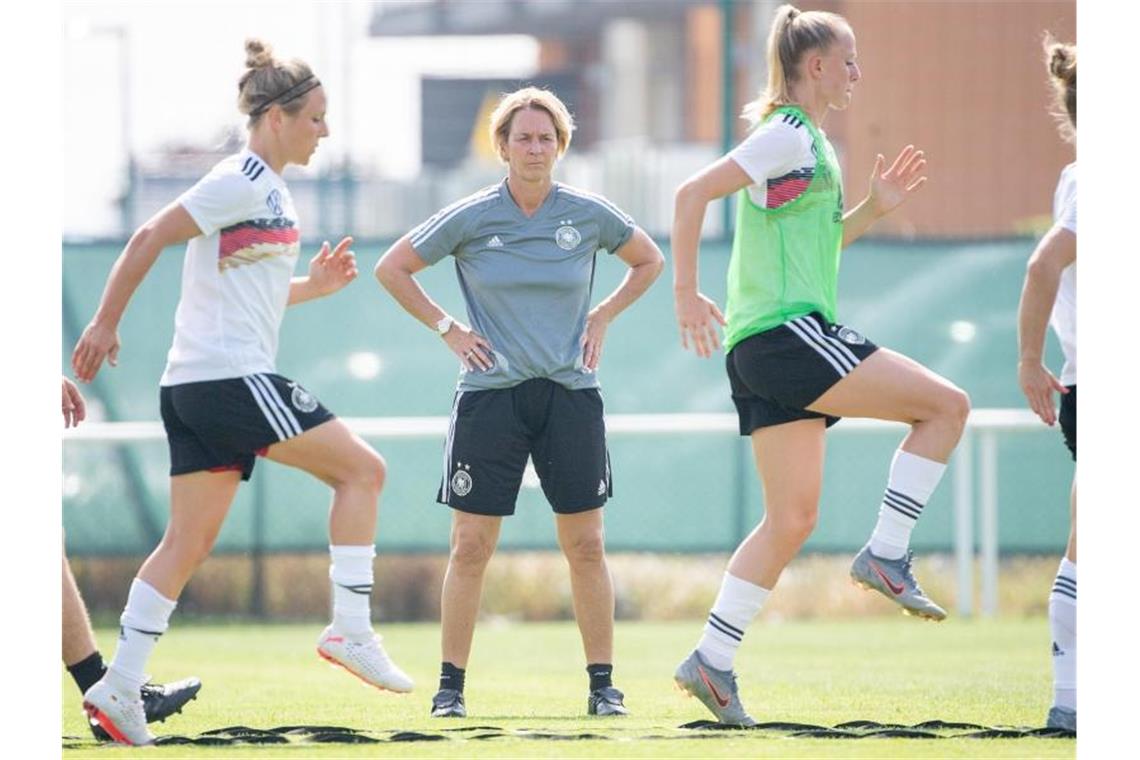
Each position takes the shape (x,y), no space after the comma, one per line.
(525,679)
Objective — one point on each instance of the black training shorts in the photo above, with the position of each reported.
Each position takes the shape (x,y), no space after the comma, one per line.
(219,425)
(775,375)
(492,433)
(1068,418)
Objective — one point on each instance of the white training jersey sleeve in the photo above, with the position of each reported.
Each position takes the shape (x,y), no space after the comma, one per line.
(217,200)
(778,157)
(236,275)
(1064,317)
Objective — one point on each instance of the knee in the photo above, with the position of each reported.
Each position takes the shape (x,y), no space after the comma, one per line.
(585,549)
(470,551)
(365,472)
(190,548)
(796,525)
(955,407)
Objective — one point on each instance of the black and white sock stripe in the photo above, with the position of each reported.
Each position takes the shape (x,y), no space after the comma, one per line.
(447,448)
(277,413)
(832,349)
(1065,586)
(124,628)
(902,504)
(718,624)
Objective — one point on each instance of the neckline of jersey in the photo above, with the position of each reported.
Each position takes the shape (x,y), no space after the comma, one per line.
(547,202)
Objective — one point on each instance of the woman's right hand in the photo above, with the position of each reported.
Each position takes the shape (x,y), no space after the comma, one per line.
(696,315)
(97,343)
(474,351)
(1038,385)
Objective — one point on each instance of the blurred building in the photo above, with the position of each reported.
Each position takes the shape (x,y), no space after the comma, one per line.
(656,87)
(962,79)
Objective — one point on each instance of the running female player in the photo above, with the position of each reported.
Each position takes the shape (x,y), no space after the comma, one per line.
(793,369)
(222,402)
(1050,296)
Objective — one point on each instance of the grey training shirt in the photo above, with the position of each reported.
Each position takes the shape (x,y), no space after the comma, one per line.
(527,281)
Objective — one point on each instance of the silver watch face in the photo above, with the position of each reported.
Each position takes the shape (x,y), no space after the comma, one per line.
(443,325)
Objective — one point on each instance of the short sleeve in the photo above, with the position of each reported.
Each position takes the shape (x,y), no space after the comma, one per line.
(218,200)
(442,233)
(615,227)
(1068,216)
(771,150)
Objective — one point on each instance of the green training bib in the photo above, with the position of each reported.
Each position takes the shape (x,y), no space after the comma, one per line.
(785,261)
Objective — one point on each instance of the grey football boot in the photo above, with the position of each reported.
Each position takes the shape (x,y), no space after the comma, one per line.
(715,688)
(448,703)
(606,701)
(893,579)
(1062,717)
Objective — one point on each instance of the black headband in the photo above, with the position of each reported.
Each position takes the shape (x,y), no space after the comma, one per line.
(290,93)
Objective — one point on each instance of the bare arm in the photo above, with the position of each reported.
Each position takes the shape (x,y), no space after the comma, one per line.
(645,262)
(1057,250)
(395,271)
(329,271)
(696,314)
(886,192)
(100,339)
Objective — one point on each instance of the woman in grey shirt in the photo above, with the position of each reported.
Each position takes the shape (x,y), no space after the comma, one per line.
(524,253)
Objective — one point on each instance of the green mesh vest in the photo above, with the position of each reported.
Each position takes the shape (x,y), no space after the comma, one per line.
(785,261)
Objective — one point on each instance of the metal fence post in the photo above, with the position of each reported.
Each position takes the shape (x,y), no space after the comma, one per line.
(988,537)
(257,548)
(964,522)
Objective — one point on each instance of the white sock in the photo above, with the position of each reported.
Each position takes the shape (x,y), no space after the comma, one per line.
(736,605)
(912,480)
(144,619)
(1063,624)
(351,575)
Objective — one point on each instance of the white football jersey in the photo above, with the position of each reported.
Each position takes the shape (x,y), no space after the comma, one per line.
(1064,317)
(236,275)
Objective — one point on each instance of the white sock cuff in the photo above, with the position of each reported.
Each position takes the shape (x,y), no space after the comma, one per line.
(351,564)
(147,610)
(745,596)
(915,476)
(1067,569)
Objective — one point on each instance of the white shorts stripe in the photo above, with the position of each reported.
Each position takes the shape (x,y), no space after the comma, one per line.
(810,338)
(447,447)
(255,391)
(429,228)
(284,407)
(840,345)
(272,400)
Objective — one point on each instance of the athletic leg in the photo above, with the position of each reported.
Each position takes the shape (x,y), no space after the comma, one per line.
(887,385)
(581,536)
(789,459)
(338,457)
(199,502)
(1063,626)
(78,638)
(473,541)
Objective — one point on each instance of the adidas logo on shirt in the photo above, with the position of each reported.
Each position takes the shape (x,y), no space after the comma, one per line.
(494,242)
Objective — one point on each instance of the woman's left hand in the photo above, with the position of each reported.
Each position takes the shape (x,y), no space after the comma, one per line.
(890,188)
(592,340)
(331,270)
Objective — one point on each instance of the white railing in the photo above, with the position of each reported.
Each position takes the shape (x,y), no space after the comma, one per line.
(983,427)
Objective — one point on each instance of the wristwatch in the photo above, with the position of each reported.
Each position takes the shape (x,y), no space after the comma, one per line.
(443,325)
